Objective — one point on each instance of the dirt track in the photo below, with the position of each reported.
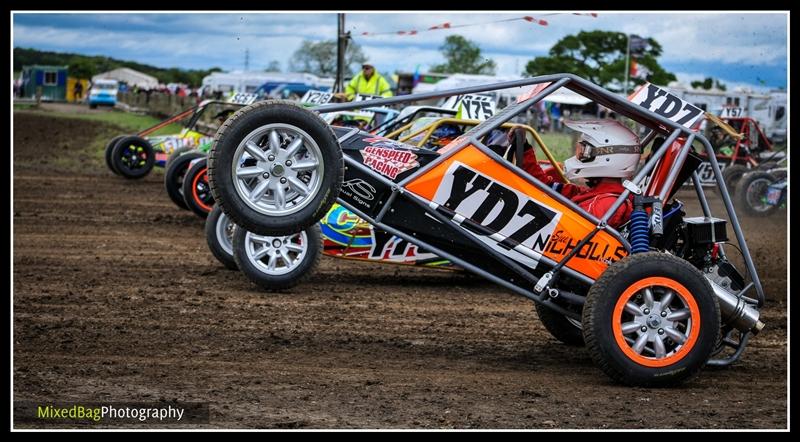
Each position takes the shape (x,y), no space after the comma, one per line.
(116,298)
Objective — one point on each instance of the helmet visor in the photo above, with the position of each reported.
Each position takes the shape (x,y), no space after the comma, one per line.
(584,152)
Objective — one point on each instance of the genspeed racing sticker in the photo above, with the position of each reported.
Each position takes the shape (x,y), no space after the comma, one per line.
(386,157)
(505,219)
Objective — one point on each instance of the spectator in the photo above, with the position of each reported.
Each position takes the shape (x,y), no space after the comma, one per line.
(555,115)
(367,82)
(78,91)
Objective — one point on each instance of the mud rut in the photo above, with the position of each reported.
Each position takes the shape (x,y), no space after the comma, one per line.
(116,298)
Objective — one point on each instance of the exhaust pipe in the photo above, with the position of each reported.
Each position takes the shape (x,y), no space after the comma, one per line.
(736,311)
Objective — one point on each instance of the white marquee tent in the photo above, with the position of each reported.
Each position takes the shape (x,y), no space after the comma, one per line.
(130,77)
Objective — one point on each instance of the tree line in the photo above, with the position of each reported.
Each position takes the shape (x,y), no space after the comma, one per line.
(86,66)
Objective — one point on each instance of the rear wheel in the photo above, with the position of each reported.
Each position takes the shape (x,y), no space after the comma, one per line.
(731,176)
(751,194)
(651,320)
(566,330)
(174,175)
(196,192)
(133,157)
(219,236)
(277,262)
(275,168)
(109,149)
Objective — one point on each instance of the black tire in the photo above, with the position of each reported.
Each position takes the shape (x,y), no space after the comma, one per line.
(133,157)
(731,176)
(559,326)
(270,281)
(176,153)
(242,124)
(173,177)
(617,286)
(196,193)
(109,149)
(750,192)
(219,236)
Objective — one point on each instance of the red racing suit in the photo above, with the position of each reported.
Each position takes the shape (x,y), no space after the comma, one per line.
(595,200)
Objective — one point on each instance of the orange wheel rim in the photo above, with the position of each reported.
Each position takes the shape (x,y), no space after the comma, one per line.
(200,176)
(656,322)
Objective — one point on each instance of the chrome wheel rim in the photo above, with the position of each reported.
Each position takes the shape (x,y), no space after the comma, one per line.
(756,195)
(656,322)
(277,169)
(276,255)
(224,231)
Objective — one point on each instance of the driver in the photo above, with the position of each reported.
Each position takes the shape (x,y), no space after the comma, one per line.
(606,153)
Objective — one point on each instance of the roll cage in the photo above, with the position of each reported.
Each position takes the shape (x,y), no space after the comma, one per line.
(545,85)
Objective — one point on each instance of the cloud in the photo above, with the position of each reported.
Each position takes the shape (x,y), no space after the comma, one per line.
(692,42)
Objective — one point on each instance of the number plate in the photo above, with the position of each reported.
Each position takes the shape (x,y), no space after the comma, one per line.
(732,112)
(661,102)
(244,99)
(316,97)
(471,107)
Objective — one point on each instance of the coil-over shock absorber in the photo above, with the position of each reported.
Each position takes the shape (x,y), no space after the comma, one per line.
(640,223)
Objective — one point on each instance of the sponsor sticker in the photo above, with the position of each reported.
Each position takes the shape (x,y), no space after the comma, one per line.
(491,207)
(386,157)
(359,190)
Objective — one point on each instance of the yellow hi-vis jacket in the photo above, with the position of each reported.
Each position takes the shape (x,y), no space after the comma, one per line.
(376,85)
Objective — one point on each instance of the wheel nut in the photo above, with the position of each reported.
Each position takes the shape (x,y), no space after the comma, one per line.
(288,162)
(271,157)
(644,329)
(265,175)
(663,314)
(660,331)
(647,311)
(283,180)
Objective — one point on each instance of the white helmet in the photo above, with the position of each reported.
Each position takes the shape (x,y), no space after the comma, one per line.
(606,149)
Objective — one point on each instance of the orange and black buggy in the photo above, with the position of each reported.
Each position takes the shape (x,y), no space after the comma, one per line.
(653,300)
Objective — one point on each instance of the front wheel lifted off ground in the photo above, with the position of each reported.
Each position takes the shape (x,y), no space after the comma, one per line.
(651,320)
(275,168)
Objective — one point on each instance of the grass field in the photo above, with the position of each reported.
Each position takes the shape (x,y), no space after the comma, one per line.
(115,123)
(559,144)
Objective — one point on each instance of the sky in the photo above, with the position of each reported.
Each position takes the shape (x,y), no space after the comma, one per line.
(741,49)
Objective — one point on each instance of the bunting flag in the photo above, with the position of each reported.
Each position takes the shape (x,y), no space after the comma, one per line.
(449,25)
